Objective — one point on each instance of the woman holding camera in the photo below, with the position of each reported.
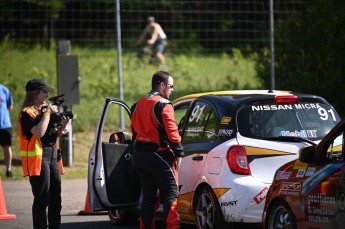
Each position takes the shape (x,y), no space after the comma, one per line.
(39,153)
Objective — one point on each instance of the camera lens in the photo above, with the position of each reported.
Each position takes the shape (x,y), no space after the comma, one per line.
(68,114)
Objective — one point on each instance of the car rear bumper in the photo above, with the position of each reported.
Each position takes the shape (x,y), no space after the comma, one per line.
(244,202)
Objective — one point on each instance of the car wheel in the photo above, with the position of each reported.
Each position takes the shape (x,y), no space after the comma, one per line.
(121,217)
(281,216)
(207,212)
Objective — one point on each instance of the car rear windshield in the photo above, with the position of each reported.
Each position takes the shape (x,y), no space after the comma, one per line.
(307,120)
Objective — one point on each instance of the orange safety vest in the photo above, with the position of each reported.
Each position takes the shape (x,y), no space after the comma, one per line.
(31,150)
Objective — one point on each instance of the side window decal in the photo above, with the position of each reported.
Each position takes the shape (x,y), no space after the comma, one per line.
(201,124)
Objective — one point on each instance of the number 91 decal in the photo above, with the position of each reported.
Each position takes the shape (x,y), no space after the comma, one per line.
(196,113)
(324,114)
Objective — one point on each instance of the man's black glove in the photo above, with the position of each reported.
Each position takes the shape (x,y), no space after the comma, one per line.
(58,154)
(177,149)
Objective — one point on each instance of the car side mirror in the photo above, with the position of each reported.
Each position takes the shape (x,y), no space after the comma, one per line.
(307,154)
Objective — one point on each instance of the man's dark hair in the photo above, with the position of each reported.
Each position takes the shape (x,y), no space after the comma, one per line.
(159,77)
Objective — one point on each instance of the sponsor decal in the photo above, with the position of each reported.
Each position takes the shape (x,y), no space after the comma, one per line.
(295,133)
(313,180)
(312,133)
(320,207)
(318,219)
(225,120)
(290,186)
(274,107)
(261,196)
(310,125)
(300,165)
(225,132)
(282,175)
(307,106)
(300,173)
(301,133)
(229,204)
(194,131)
(289,193)
(310,171)
(321,199)
(324,208)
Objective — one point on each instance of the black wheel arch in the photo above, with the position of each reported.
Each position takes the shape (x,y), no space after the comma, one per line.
(196,194)
(272,204)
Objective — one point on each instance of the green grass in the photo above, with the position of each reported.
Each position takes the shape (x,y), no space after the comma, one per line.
(99,79)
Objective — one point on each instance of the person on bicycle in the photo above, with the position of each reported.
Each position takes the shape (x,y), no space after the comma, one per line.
(156,37)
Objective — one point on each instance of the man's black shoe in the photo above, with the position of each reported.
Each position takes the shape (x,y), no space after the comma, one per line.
(9,174)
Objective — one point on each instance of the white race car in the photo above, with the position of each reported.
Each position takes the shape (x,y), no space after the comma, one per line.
(234,141)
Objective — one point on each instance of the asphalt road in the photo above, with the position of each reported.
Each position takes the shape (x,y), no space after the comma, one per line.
(19,198)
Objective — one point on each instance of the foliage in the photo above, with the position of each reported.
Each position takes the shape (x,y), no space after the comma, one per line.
(301,67)
(227,22)
(99,76)
(99,79)
(54,5)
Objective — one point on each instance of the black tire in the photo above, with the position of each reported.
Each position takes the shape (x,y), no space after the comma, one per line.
(170,60)
(122,217)
(281,217)
(207,212)
(136,60)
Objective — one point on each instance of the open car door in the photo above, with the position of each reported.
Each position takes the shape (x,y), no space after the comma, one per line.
(112,181)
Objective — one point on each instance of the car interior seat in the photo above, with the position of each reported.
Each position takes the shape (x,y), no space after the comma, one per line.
(120,138)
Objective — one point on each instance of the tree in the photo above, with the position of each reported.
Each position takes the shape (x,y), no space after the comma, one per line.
(310,52)
(51,10)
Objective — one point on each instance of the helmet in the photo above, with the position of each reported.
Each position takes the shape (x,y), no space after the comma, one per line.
(150,19)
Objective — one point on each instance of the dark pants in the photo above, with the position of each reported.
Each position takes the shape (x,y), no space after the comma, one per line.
(157,173)
(46,189)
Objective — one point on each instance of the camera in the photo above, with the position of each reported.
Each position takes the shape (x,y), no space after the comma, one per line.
(57,100)
(55,118)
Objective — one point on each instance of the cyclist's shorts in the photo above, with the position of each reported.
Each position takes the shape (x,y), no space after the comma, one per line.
(160,45)
(6,137)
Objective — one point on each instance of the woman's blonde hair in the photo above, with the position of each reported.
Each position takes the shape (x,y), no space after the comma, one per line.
(29,99)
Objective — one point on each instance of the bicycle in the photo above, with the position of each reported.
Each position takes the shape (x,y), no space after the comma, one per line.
(147,56)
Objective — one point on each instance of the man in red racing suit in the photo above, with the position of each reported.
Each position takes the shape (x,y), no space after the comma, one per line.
(158,151)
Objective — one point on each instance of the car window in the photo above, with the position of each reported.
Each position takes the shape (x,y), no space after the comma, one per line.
(111,121)
(180,112)
(201,124)
(335,150)
(307,120)
(211,127)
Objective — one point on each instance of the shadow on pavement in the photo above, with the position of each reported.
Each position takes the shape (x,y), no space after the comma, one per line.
(94,224)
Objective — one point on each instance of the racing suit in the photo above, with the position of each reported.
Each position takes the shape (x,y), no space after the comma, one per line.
(157,145)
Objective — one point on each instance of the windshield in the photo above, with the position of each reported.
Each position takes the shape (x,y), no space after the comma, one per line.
(306,120)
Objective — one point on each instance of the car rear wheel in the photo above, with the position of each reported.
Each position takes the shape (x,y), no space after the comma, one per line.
(207,212)
(281,217)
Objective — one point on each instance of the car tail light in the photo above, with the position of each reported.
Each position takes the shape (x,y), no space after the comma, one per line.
(238,161)
(286,99)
